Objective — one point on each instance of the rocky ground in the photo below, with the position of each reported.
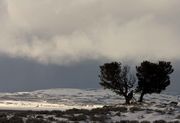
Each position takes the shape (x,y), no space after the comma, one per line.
(135,113)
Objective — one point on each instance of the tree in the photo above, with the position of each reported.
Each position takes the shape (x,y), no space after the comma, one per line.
(153,77)
(117,78)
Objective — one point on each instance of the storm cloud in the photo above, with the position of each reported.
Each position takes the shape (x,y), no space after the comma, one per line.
(62,32)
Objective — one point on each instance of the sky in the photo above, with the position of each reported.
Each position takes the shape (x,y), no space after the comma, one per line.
(60,43)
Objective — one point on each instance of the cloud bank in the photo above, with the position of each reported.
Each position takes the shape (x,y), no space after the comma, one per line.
(61,31)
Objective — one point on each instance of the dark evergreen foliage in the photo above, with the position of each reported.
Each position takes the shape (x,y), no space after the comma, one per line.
(117,78)
(153,77)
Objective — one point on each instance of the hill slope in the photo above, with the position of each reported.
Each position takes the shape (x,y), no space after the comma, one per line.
(156,106)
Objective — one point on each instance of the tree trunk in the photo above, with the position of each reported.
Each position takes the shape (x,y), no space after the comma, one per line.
(127,100)
(141,97)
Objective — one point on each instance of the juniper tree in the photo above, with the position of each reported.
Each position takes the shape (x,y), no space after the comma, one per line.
(153,77)
(117,78)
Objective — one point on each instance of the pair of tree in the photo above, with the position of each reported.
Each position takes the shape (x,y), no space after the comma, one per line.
(152,78)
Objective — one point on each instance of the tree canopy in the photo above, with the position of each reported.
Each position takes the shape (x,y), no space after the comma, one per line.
(153,77)
(117,78)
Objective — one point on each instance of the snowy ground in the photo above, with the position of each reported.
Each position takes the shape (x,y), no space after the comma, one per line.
(156,106)
(57,99)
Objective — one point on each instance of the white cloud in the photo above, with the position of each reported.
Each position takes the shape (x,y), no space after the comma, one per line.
(61,31)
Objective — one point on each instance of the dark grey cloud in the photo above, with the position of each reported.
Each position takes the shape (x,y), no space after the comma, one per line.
(175,84)
(17,74)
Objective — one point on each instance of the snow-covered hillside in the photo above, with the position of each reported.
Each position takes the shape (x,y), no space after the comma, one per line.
(66,98)
(62,99)
(56,99)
